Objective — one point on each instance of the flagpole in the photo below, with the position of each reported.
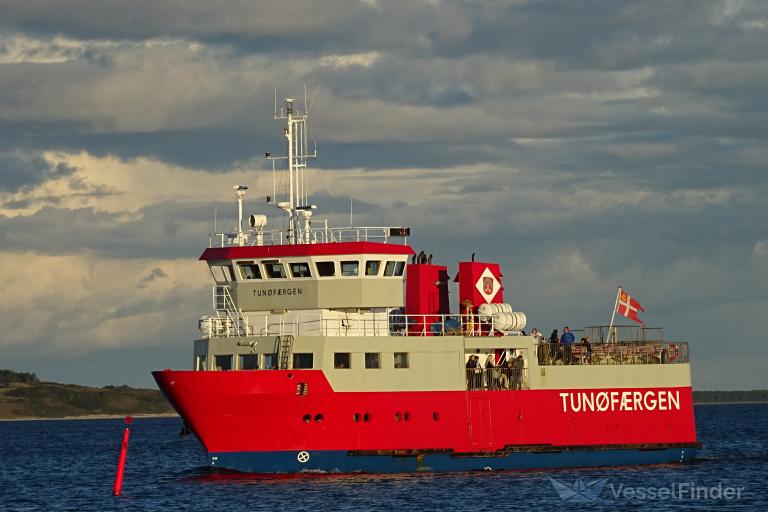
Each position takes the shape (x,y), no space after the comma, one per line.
(613,315)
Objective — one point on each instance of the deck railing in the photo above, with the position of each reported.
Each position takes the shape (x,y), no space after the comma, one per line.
(497,378)
(623,333)
(392,323)
(324,234)
(612,353)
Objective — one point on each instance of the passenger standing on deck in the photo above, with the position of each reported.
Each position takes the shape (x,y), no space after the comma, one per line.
(473,372)
(552,349)
(517,373)
(505,380)
(567,340)
(587,347)
(489,365)
(537,339)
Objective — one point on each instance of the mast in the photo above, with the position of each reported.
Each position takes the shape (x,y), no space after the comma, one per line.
(297,154)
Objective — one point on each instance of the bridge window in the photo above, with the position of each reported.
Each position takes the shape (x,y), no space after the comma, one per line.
(223,273)
(249,270)
(300,270)
(270,361)
(302,361)
(372,360)
(248,361)
(372,268)
(401,359)
(275,270)
(326,268)
(223,363)
(394,268)
(349,268)
(341,360)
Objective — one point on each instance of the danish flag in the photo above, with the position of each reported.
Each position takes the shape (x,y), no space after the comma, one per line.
(629,307)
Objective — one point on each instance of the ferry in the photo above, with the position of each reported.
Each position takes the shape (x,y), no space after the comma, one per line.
(339,350)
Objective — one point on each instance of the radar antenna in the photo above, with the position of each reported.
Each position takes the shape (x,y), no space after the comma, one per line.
(297,203)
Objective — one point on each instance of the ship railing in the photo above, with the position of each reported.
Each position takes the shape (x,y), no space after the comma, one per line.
(612,353)
(497,378)
(317,235)
(229,319)
(623,333)
(386,323)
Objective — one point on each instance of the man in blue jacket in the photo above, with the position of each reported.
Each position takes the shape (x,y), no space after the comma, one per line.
(567,340)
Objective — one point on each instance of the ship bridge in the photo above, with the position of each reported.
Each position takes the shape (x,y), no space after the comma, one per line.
(259,290)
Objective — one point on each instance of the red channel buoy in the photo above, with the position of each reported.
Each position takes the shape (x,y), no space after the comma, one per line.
(117,489)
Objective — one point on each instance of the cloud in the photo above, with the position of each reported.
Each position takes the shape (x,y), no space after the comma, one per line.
(154,275)
(75,303)
(20,171)
(582,145)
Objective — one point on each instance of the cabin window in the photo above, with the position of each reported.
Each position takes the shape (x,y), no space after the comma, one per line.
(249,270)
(326,268)
(302,361)
(349,268)
(372,268)
(223,363)
(341,360)
(270,361)
(394,268)
(372,360)
(223,273)
(275,270)
(248,361)
(401,359)
(300,270)
(201,363)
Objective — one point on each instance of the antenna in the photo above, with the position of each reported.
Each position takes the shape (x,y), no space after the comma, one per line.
(297,156)
(312,101)
(350,212)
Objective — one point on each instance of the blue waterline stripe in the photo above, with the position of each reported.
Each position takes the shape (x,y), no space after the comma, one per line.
(332,461)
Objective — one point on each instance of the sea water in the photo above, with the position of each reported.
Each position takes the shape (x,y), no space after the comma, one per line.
(70,465)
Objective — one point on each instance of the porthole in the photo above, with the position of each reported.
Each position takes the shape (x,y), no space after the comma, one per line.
(290,375)
(367,417)
(436,416)
(307,418)
(356,417)
(407,416)
(397,416)
(319,418)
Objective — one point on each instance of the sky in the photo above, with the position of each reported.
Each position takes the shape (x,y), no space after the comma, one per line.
(582,145)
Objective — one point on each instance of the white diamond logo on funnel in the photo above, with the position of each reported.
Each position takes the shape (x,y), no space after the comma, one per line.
(488,285)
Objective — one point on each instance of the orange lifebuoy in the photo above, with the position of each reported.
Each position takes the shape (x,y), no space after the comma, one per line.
(673,353)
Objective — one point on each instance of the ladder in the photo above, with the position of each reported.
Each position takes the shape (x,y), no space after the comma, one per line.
(236,324)
(284,351)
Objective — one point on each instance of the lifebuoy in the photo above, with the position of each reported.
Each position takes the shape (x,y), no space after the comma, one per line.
(673,353)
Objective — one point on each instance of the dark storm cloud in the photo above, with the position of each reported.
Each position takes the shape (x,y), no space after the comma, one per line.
(600,33)
(18,171)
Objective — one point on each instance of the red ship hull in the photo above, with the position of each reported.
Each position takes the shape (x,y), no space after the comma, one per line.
(261,413)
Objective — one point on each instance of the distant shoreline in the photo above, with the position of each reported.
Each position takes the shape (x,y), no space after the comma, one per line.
(731,403)
(94,417)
